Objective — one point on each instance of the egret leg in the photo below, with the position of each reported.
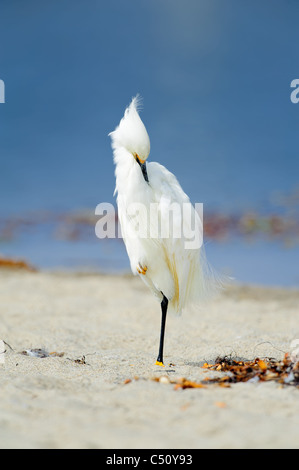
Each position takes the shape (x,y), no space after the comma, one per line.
(164,305)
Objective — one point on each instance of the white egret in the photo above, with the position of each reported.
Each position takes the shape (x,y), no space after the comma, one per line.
(173,270)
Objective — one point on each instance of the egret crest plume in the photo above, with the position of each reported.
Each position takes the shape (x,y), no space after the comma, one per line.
(131,133)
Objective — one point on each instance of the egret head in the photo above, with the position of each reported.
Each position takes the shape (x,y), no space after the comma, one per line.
(131,133)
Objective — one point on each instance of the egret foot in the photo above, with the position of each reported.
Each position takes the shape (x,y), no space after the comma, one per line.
(159,363)
(141,269)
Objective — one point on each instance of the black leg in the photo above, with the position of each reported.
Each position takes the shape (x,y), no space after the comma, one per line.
(164,305)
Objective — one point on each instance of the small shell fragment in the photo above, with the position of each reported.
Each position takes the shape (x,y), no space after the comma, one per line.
(164,379)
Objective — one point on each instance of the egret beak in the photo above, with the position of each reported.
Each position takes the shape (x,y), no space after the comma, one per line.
(142,164)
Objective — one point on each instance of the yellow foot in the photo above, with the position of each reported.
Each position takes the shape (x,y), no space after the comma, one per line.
(158,363)
(141,269)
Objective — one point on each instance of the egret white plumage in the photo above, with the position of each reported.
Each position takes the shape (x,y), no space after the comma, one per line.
(174,271)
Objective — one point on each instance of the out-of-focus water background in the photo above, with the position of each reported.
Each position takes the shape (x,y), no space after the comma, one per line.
(215,80)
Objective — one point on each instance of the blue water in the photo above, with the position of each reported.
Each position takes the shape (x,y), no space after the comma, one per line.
(215,79)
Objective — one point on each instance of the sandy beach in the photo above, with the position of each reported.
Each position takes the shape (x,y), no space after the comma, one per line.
(100,392)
